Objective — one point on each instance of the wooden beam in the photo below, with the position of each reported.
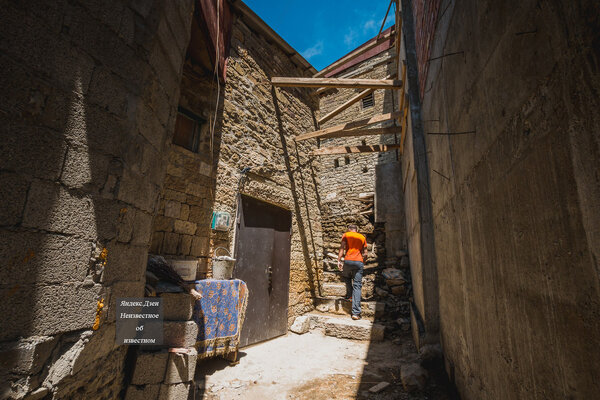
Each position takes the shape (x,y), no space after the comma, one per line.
(336,83)
(347,104)
(371,68)
(363,132)
(354,54)
(379,148)
(344,106)
(385,18)
(404,127)
(350,125)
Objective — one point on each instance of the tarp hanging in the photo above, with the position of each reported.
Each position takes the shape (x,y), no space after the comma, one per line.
(218,29)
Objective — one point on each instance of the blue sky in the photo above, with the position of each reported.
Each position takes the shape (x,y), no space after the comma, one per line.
(323,31)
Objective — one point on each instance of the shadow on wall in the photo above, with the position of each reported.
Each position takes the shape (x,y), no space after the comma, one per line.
(311,270)
(81,172)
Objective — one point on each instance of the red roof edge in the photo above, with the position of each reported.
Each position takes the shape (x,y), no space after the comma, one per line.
(368,54)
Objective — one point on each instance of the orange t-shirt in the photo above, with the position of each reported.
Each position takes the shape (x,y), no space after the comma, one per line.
(355,243)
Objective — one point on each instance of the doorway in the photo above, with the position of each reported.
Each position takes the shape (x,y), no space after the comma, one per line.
(263,243)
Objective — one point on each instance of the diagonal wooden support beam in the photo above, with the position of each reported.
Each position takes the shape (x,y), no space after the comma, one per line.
(336,82)
(344,106)
(350,125)
(378,148)
(363,132)
(347,104)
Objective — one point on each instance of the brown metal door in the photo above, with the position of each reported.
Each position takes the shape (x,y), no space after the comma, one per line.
(263,262)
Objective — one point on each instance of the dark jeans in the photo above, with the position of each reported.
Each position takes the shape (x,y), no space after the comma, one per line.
(353,272)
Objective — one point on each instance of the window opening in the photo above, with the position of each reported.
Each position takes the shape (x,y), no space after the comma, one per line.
(368,101)
(188,127)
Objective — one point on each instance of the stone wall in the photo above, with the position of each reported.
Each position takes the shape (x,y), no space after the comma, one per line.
(254,153)
(259,126)
(181,228)
(514,201)
(345,177)
(88,105)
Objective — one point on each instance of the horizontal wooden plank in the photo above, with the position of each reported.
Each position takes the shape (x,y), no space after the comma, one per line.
(336,82)
(362,72)
(350,125)
(363,132)
(378,148)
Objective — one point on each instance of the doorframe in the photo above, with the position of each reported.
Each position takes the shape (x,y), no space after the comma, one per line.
(236,225)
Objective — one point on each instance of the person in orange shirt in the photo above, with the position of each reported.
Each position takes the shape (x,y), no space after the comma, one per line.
(354,250)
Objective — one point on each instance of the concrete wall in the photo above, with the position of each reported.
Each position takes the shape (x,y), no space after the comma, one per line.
(344,177)
(515,201)
(417,194)
(88,105)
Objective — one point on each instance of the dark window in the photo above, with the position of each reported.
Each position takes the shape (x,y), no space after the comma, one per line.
(188,127)
(336,163)
(368,101)
(347,160)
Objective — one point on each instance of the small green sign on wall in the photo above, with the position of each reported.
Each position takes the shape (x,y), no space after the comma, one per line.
(221,221)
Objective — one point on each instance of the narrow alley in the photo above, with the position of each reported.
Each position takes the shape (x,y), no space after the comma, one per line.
(396,199)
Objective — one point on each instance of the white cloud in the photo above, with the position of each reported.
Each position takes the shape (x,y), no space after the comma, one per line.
(369,26)
(350,38)
(313,51)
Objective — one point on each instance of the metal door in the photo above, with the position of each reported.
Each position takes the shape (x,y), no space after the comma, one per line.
(263,262)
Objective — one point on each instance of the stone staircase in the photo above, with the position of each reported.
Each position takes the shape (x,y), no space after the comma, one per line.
(384,292)
(333,311)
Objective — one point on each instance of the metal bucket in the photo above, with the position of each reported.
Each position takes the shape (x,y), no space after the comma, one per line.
(222,266)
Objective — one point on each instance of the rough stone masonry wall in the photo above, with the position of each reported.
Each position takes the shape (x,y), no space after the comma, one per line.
(344,177)
(181,228)
(258,129)
(515,203)
(88,105)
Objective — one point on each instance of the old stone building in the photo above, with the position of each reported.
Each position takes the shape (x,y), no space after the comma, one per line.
(345,177)
(251,151)
(138,127)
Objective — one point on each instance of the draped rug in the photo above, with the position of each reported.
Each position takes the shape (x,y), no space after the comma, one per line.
(219,315)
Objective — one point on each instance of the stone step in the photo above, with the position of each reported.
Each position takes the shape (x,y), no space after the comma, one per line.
(347,328)
(338,290)
(342,306)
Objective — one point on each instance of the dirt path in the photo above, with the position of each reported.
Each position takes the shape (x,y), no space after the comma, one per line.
(313,366)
